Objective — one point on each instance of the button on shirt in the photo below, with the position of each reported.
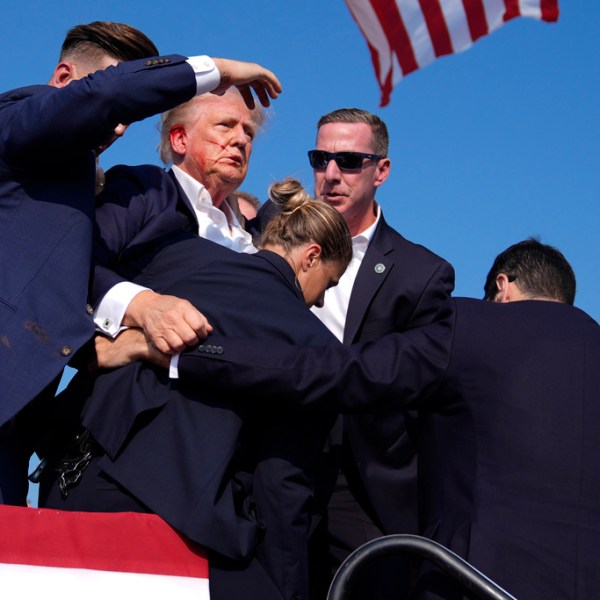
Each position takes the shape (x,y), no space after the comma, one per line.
(335,308)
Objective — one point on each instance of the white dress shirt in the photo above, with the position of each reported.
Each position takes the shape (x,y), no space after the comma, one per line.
(335,307)
(218,225)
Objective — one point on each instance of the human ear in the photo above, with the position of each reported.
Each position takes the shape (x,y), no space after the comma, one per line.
(63,74)
(383,171)
(310,256)
(178,139)
(504,293)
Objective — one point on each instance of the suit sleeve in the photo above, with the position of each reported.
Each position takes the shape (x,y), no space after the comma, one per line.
(396,370)
(58,123)
(121,212)
(437,290)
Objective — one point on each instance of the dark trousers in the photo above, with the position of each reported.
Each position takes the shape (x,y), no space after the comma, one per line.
(349,527)
(18,439)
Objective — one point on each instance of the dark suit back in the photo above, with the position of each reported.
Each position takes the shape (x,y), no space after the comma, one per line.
(509,461)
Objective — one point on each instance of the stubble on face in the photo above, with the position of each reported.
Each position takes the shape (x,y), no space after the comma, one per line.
(352,194)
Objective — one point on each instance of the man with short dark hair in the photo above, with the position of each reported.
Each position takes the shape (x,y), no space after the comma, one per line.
(391,285)
(544,274)
(51,137)
(506,394)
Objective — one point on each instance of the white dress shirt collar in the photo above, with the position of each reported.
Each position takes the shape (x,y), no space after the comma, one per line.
(335,308)
(219,225)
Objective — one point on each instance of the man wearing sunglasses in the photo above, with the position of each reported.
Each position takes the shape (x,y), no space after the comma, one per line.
(391,285)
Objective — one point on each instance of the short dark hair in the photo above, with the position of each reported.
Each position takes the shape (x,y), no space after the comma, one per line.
(99,38)
(380,139)
(540,270)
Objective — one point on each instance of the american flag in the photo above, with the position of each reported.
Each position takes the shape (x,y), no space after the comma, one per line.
(61,555)
(405,35)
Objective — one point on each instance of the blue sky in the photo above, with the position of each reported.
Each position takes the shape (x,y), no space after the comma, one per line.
(488,147)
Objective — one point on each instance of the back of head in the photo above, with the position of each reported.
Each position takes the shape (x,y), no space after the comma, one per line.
(91,42)
(302,220)
(539,270)
(248,203)
(381,140)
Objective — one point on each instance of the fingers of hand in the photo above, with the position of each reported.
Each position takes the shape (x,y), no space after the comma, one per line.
(246,93)
(262,93)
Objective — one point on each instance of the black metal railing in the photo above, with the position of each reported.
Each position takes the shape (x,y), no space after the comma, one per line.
(453,565)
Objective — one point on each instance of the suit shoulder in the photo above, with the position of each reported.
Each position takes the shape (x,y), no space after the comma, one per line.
(141,172)
(413,250)
(24,92)
(143,178)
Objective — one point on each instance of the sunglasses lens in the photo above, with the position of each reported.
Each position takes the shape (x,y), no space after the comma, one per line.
(346,161)
(349,160)
(318,159)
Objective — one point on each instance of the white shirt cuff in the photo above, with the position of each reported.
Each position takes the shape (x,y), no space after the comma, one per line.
(111,309)
(174,367)
(207,74)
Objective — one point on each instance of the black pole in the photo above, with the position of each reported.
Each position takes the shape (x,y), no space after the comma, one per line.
(466,575)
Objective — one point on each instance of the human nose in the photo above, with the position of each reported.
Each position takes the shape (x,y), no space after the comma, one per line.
(320,301)
(239,137)
(332,171)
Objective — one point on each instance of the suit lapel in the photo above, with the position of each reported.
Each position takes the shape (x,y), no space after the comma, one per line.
(188,208)
(374,270)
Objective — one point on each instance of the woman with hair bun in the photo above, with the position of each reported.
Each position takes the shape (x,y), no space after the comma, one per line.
(244,479)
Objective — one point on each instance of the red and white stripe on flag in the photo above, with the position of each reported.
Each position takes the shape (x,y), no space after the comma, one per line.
(405,35)
(54,554)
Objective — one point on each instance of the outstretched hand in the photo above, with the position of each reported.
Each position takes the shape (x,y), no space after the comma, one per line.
(246,77)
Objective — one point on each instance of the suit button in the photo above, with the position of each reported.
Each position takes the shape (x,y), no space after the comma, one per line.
(89,309)
(66,350)
(201,348)
(219,349)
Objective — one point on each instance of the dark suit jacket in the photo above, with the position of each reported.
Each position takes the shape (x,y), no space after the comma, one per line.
(142,208)
(47,181)
(400,285)
(228,473)
(509,446)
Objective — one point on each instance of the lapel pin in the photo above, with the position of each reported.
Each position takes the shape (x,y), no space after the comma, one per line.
(379,268)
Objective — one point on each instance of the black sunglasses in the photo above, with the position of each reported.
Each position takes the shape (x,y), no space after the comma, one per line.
(346,161)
